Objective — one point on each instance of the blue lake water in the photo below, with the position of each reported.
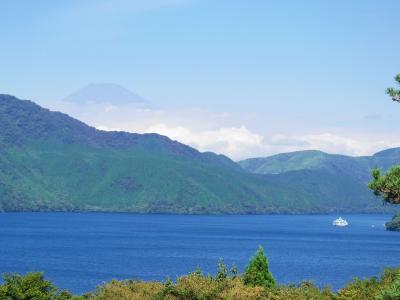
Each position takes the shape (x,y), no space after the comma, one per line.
(79,251)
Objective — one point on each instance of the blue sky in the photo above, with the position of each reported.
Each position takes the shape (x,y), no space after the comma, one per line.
(244,78)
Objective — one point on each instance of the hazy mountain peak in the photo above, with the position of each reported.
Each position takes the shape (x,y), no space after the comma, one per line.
(105,93)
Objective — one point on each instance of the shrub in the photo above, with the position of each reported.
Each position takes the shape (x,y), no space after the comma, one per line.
(32,286)
(368,289)
(303,291)
(392,292)
(194,286)
(128,290)
(222,270)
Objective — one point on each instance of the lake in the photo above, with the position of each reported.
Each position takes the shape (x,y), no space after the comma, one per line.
(79,251)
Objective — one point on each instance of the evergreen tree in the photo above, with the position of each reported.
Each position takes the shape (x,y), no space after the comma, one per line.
(257,272)
(388,186)
(394,93)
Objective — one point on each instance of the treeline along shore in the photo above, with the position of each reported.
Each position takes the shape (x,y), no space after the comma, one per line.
(256,282)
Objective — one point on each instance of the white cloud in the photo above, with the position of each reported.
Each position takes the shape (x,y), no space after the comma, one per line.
(223,132)
(240,142)
(331,143)
(235,142)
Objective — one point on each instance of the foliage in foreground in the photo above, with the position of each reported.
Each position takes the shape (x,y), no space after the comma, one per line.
(257,272)
(387,186)
(256,283)
(197,286)
(32,286)
(393,92)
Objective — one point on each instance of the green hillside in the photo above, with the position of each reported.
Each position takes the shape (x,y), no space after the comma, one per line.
(329,178)
(50,161)
(358,168)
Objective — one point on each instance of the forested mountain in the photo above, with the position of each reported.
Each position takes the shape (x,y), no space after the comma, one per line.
(328,177)
(313,160)
(50,161)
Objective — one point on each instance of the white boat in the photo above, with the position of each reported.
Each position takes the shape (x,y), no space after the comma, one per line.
(340,222)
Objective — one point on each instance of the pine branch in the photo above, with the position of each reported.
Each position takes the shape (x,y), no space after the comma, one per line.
(395,94)
(397,78)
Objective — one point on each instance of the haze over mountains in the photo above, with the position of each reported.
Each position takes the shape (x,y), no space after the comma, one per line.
(50,161)
(106,93)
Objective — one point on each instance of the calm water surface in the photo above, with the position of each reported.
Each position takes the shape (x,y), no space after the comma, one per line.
(79,251)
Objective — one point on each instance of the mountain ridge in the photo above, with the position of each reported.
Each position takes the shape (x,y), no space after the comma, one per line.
(43,151)
(51,162)
(316,159)
(324,175)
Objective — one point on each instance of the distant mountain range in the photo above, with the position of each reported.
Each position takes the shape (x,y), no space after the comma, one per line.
(52,162)
(330,178)
(312,160)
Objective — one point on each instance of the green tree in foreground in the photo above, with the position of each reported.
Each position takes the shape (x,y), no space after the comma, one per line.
(257,272)
(32,286)
(394,93)
(391,293)
(387,186)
